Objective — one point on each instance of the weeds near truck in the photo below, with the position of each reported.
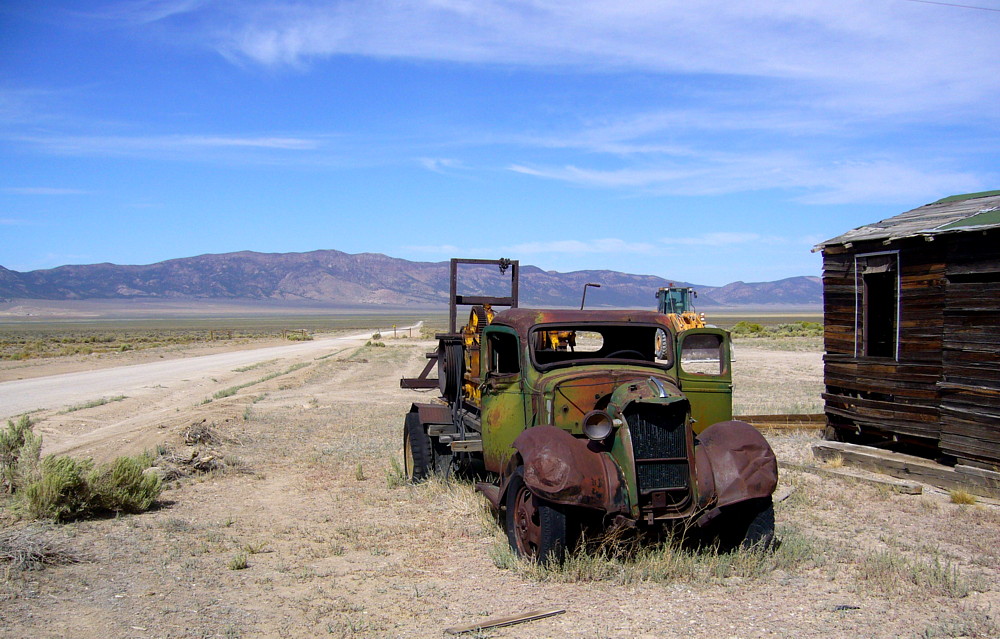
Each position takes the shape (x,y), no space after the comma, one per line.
(892,572)
(622,558)
(973,623)
(395,475)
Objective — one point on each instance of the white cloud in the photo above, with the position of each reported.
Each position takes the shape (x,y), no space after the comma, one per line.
(441,165)
(562,247)
(824,182)
(577,247)
(42,190)
(142,12)
(893,55)
(182,146)
(721,239)
(13,221)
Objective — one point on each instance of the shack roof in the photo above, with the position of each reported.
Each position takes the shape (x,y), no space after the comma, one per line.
(955,214)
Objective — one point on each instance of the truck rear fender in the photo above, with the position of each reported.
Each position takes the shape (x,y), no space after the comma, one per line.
(564,469)
(733,463)
(432,413)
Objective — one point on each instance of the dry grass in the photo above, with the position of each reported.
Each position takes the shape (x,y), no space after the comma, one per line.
(834,461)
(34,547)
(962,497)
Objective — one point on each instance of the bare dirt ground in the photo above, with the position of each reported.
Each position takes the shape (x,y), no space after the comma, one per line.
(336,546)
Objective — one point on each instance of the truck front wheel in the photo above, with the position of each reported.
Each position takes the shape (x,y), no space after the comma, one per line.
(748,524)
(536,529)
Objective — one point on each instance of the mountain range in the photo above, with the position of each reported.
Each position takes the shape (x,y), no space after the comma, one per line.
(334,277)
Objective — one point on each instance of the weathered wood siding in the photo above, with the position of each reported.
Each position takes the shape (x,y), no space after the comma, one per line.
(882,393)
(970,385)
(944,387)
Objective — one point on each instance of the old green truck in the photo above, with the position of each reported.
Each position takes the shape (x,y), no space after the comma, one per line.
(572,417)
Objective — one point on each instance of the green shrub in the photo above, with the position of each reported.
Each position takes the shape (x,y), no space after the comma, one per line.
(62,488)
(121,486)
(747,328)
(61,493)
(19,450)
(794,329)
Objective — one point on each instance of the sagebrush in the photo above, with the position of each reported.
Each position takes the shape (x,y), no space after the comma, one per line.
(62,488)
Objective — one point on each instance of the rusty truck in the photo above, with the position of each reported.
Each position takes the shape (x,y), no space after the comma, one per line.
(571,417)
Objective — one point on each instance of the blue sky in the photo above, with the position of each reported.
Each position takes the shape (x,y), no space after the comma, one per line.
(700,141)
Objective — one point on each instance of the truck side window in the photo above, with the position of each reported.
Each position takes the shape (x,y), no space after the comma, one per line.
(703,355)
(503,354)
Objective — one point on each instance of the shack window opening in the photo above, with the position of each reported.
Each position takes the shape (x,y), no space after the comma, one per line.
(880,298)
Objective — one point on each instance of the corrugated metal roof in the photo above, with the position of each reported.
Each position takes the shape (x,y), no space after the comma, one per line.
(955,214)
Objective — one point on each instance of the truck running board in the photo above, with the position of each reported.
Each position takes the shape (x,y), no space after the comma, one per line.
(491,491)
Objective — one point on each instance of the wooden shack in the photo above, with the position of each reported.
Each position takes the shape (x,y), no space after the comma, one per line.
(912,330)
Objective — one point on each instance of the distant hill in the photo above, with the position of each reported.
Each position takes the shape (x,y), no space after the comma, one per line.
(368,278)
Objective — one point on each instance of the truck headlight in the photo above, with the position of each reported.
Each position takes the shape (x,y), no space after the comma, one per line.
(597,425)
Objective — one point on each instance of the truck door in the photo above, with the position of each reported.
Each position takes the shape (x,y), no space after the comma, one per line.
(503,395)
(705,375)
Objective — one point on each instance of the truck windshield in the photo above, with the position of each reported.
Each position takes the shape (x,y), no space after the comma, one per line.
(556,345)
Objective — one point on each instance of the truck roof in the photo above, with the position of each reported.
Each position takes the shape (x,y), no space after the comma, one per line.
(524,319)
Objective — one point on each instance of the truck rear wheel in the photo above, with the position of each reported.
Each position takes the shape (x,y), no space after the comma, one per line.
(536,529)
(418,460)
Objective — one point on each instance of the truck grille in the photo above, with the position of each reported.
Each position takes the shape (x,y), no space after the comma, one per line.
(659,443)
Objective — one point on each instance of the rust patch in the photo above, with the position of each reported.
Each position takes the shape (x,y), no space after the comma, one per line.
(568,470)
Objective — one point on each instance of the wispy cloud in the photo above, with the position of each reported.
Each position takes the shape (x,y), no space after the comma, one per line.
(124,144)
(14,221)
(442,165)
(820,182)
(903,53)
(141,12)
(186,147)
(42,190)
(722,239)
(569,247)
(577,247)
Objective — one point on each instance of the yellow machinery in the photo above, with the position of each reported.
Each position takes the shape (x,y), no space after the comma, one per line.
(479,318)
(677,303)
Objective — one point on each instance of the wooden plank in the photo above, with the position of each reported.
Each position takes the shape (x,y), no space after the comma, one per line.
(906,467)
(498,622)
(896,485)
(467,445)
(784,422)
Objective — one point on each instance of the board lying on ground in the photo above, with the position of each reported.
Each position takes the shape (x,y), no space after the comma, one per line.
(974,480)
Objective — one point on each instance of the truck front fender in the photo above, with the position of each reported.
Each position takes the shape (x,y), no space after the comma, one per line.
(568,470)
(733,463)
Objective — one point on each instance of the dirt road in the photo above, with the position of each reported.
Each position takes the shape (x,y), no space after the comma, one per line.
(59,391)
